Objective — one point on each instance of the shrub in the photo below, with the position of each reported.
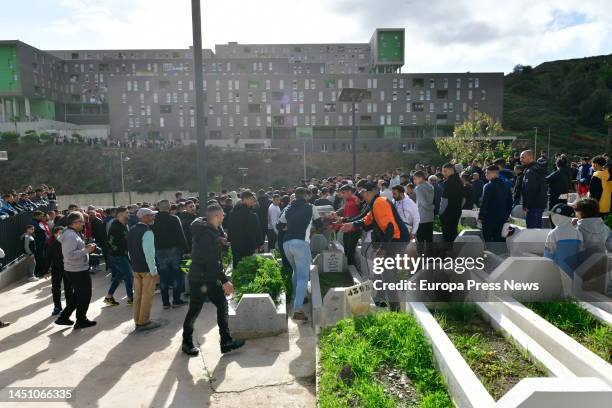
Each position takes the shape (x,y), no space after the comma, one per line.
(256,274)
(10,137)
(30,137)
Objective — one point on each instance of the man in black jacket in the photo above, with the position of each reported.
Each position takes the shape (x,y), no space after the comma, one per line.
(170,245)
(207,279)
(450,211)
(263,202)
(189,216)
(534,190)
(559,184)
(245,233)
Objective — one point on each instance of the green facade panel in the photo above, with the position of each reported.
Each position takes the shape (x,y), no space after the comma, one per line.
(393,132)
(9,69)
(303,133)
(43,109)
(390,46)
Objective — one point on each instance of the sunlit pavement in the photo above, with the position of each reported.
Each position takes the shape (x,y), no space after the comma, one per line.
(109,366)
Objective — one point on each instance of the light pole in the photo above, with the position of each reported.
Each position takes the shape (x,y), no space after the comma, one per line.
(199,104)
(548,147)
(353,95)
(535,145)
(243,171)
(124,159)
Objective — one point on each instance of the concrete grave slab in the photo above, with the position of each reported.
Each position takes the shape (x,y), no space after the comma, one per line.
(256,315)
(527,242)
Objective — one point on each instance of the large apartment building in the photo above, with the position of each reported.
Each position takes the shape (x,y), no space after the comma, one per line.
(256,95)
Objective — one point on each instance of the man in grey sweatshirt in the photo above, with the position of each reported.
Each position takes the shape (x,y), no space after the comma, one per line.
(76,266)
(425,202)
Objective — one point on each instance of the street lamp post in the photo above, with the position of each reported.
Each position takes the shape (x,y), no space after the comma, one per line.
(535,145)
(124,159)
(199,104)
(354,96)
(243,171)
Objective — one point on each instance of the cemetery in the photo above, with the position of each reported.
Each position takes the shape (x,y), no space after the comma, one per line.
(499,351)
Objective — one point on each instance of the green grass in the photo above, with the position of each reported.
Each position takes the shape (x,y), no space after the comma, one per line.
(579,324)
(498,364)
(361,346)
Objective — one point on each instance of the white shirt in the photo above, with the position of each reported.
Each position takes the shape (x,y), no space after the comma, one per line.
(274,213)
(409,213)
(394,181)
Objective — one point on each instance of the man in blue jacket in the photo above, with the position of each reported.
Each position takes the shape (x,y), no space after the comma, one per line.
(496,206)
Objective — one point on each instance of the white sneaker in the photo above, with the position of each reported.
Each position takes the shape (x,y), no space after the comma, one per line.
(32,279)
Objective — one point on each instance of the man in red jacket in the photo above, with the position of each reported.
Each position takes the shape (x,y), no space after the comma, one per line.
(349,210)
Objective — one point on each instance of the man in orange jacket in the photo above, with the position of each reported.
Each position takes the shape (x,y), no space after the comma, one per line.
(389,234)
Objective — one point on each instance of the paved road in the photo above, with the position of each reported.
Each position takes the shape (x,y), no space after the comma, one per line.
(109,366)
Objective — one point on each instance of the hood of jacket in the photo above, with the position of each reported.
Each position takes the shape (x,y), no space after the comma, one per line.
(536,168)
(594,225)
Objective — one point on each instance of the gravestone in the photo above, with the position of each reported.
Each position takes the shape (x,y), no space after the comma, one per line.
(330,261)
(335,307)
(256,315)
(527,242)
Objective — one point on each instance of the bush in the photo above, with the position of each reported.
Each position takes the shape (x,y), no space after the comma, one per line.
(9,137)
(30,137)
(256,274)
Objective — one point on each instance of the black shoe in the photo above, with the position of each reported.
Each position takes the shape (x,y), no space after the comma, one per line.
(179,304)
(190,349)
(231,345)
(111,301)
(64,321)
(82,324)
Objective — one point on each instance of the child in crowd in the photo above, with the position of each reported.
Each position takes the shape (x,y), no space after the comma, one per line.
(29,247)
(597,237)
(564,242)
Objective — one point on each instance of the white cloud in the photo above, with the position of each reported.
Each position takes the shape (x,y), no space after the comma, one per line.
(441,35)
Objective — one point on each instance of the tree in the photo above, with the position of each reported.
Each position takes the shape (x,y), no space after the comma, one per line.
(473,139)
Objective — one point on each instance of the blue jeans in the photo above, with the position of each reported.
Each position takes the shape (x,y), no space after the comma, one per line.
(298,254)
(169,274)
(533,218)
(121,271)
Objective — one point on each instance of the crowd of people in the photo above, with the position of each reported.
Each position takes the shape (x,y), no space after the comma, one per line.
(30,199)
(143,244)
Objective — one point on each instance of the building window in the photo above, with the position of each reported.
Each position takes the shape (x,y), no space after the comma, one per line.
(161,122)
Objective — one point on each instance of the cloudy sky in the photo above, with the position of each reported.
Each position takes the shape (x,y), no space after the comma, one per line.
(441,35)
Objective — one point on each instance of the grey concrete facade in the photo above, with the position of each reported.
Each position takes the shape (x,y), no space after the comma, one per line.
(267,95)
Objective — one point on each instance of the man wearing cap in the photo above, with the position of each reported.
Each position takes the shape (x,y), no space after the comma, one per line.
(496,206)
(141,249)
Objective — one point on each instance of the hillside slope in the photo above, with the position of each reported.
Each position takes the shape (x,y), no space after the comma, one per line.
(569,96)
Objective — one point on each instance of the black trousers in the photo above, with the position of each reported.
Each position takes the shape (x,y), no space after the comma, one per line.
(57,277)
(81,284)
(202,292)
(349,241)
(39,257)
(449,222)
(424,237)
(271,239)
